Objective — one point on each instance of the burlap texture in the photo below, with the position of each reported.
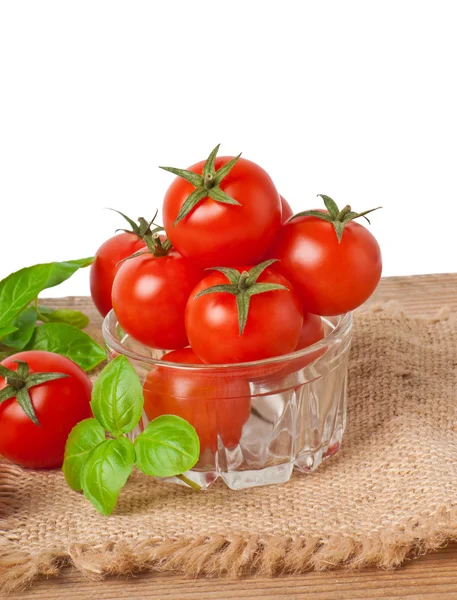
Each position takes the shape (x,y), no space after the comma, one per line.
(391,492)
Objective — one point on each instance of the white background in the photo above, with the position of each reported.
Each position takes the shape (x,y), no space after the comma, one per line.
(357,100)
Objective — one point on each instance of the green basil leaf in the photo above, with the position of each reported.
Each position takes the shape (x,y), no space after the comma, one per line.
(61,271)
(20,288)
(25,325)
(68,341)
(106,471)
(83,438)
(63,315)
(117,397)
(5,331)
(168,446)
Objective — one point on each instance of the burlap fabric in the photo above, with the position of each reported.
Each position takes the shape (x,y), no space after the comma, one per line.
(391,492)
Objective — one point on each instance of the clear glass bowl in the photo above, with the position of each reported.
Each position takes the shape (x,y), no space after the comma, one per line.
(256,421)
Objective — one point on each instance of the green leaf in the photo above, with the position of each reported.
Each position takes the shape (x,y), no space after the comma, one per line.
(117,397)
(105,472)
(83,438)
(225,169)
(256,271)
(261,288)
(314,213)
(330,205)
(68,341)
(194,178)
(5,331)
(220,196)
(25,402)
(339,229)
(208,168)
(233,275)
(24,325)
(20,288)
(132,223)
(242,305)
(223,287)
(63,315)
(168,446)
(191,201)
(7,392)
(61,271)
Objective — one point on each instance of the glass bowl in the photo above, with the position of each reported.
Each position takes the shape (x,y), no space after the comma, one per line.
(256,421)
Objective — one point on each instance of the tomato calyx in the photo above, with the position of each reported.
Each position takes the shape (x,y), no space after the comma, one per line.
(206,184)
(18,384)
(338,218)
(243,286)
(156,245)
(142,228)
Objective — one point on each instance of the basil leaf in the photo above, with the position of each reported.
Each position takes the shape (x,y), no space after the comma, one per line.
(4,331)
(117,397)
(24,324)
(61,271)
(168,446)
(68,341)
(63,315)
(106,471)
(83,438)
(20,288)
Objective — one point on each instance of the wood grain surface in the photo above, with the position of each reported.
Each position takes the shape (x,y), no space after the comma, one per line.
(431,577)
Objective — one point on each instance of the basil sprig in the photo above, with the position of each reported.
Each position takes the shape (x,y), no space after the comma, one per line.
(99,465)
(60,332)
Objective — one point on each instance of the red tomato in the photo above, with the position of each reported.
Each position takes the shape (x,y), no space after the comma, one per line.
(215,404)
(273,324)
(311,332)
(286,210)
(332,278)
(59,405)
(214,233)
(149,298)
(105,267)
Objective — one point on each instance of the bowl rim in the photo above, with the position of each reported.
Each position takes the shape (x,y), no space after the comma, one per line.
(340,332)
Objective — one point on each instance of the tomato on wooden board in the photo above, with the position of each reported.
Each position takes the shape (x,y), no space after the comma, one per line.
(223,211)
(216,404)
(150,295)
(334,263)
(286,210)
(58,405)
(243,314)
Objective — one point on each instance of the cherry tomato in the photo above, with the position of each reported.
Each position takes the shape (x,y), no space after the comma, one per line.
(214,233)
(59,405)
(149,298)
(286,210)
(311,332)
(272,328)
(214,403)
(331,277)
(105,267)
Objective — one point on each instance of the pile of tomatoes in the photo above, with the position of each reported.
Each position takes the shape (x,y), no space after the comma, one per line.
(237,277)
(232,277)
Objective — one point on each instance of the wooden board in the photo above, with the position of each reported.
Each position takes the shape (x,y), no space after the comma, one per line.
(431,577)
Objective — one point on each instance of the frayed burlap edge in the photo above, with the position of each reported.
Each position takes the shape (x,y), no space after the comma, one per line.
(217,555)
